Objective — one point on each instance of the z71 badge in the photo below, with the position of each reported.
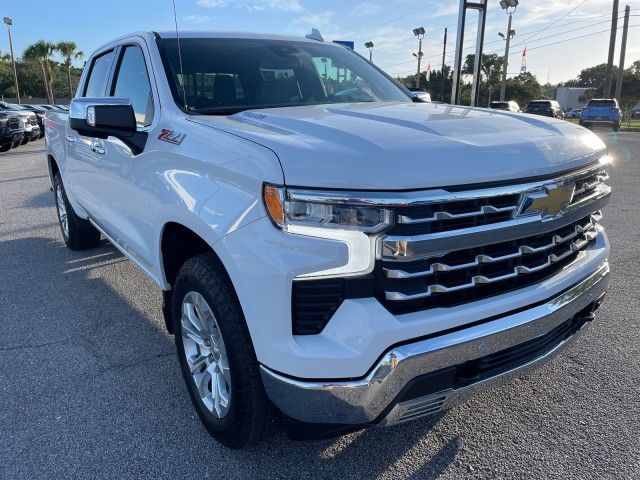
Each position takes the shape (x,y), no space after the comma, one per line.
(170,136)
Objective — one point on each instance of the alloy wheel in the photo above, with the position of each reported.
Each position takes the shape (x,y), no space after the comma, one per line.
(206,354)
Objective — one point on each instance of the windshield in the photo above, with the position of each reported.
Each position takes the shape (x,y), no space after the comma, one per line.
(538,103)
(227,75)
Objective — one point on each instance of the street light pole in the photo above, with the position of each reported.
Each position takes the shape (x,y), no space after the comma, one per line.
(509,6)
(505,63)
(8,21)
(419,32)
(369,45)
(444,52)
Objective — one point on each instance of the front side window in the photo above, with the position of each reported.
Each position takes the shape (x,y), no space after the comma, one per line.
(226,75)
(99,75)
(132,82)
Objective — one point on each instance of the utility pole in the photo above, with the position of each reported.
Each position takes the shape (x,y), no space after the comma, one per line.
(623,51)
(419,32)
(612,47)
(8,21)
(444,52)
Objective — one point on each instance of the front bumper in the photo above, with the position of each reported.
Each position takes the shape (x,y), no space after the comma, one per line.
(442,366)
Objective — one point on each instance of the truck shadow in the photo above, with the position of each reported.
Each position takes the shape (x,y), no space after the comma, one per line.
(108,385)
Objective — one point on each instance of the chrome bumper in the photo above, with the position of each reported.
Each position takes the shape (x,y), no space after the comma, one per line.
(374,398)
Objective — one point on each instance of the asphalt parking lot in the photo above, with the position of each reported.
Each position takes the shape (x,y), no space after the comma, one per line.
(90,385)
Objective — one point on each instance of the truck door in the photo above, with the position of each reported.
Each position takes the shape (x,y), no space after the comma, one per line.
(121,176)
(82,156)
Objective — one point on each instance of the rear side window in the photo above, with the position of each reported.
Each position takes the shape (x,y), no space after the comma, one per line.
(99,75)
(132,82)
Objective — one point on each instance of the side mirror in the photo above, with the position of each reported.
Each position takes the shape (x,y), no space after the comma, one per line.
(104,117)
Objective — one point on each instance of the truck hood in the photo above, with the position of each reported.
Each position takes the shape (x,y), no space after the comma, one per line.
(403,146)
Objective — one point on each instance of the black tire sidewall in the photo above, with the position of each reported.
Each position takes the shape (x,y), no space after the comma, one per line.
(57,185)
(232,429)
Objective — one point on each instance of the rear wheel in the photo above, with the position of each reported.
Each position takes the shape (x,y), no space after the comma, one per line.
(616,127)
(78,234)
(216,355)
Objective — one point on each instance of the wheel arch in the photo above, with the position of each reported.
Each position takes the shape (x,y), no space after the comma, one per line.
(52,164)
(179,243)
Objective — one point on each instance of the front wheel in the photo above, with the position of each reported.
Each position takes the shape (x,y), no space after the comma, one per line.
(216,355)
(616,127)
(78,234)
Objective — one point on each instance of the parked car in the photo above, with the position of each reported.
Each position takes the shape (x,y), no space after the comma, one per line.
(345,256)
(573,113)
(547,108)
(420,94)
(510,106)
(39,112)
(29,120)
(602,112)
(11,130)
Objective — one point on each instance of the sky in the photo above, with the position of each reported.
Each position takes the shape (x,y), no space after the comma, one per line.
(547,28)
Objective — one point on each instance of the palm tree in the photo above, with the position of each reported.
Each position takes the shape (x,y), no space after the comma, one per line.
(38,53)
(51,47)
(69,51)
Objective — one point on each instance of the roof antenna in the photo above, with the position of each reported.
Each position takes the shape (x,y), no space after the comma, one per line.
(182,79)
(315,35)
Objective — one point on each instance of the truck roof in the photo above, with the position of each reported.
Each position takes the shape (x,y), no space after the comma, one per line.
(218,34)
(151,35)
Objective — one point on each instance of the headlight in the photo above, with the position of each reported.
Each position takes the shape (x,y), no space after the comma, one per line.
(317,214)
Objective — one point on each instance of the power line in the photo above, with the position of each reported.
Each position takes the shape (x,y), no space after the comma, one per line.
(560,18)
(550,44)
(516,45)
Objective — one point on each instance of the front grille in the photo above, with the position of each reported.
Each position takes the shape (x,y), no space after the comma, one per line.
(33,120)
(471,274)
(13,123)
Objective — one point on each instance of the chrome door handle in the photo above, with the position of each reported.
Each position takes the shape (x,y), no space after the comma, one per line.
(97,148)
(70,139)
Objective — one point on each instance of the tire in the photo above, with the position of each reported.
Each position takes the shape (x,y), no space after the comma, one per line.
(78,234)
(25,140)
(6,147)
(243,421)
(616,127)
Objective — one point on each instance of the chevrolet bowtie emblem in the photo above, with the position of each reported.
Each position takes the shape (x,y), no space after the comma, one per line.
(549,201)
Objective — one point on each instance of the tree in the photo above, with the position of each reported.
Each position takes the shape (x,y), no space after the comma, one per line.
(490,72)
(523,88)
(38,53)
(69,51)
(51,48)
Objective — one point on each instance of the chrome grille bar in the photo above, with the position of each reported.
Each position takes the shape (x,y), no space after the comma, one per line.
(589,234)
(589,228)
(484,210)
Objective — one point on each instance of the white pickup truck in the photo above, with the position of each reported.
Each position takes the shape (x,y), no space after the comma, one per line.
(325,245)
